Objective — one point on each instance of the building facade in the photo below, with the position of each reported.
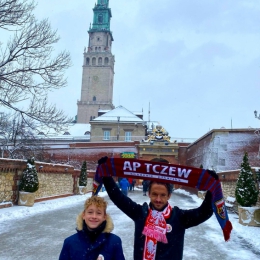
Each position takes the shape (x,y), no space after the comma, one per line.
(223,149)
(158,146)
(116,125)
(98,66)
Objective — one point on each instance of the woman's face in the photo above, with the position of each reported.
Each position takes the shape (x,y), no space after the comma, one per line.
(94,216)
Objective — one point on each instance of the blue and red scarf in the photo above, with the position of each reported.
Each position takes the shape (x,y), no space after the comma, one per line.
(163,172)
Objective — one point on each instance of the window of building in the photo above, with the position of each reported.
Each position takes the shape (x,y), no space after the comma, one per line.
(99,61)
(106,135)
(221,162)
(106,61)
(100,18)
(94,98)
(224,147)
(94,61)
(87,61)
(90,118)
(128,136)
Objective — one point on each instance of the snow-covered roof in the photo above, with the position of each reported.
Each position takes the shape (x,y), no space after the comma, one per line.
(103,110)
(75,130)
(79,129)
(121,113)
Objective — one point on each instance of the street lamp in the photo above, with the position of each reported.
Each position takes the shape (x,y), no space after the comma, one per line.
(118,129)
(256,116)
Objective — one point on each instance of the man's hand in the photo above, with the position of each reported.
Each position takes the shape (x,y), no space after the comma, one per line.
(213,174)
(102,160)
(208,196)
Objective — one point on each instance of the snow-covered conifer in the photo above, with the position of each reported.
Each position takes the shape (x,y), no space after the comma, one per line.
(83,175)
(29,181)
(246,191)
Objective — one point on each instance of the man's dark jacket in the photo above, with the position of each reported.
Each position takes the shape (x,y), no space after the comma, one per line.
(179,221)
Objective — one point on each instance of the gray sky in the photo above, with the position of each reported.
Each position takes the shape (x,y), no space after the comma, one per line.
(196,62)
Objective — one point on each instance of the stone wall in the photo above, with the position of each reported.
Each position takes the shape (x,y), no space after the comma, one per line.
(56,180)
(53,184)
(6,187)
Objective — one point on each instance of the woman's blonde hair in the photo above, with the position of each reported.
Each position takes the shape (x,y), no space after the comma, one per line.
(97,201)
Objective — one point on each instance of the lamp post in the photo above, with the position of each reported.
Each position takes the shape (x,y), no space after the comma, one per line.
(118,129)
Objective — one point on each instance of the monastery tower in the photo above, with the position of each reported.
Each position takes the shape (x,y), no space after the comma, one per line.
(98,66)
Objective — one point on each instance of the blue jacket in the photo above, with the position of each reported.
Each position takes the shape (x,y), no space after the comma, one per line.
(124,184)
(179,221)
(80,247)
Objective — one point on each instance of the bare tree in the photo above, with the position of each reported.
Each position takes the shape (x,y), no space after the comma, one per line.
(28,70)
(14,12)
(17,139)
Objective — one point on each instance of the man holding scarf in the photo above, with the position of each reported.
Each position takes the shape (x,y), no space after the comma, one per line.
(159,228)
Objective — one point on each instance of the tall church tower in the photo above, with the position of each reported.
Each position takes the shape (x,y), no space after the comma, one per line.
(98,66)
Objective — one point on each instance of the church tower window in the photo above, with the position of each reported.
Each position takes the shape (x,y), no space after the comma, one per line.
(106,61)
(94,61)
(87,61)
(100,18)
(99,61)
(94,98)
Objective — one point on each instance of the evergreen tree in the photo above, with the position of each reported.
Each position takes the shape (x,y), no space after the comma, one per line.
(29,181)
(246,192)
(83,175)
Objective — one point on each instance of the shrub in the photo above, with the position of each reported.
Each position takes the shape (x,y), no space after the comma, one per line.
(83,175)
(29,181)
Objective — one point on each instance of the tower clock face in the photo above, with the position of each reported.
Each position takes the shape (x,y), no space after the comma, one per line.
(95,78)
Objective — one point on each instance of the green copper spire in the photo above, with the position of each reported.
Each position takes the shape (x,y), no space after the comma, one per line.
(102,16)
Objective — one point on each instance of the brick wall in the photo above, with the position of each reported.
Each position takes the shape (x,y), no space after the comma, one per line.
(55,180)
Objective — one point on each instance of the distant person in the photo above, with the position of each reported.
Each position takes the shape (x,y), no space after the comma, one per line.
(130,180)
(124,184)
(133,184)
(145,186)
(93,240)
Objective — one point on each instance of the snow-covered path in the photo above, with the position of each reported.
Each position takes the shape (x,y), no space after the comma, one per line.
(38,232)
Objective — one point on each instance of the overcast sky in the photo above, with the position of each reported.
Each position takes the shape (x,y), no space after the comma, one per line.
(196,62)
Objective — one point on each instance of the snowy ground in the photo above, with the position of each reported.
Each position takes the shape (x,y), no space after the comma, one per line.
(202,242)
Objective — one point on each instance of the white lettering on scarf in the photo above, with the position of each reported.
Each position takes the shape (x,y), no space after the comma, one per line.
(157,169)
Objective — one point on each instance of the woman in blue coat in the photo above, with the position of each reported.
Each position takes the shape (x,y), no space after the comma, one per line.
(93,239)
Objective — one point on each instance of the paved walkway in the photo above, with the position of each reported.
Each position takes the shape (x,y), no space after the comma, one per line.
(41,236)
